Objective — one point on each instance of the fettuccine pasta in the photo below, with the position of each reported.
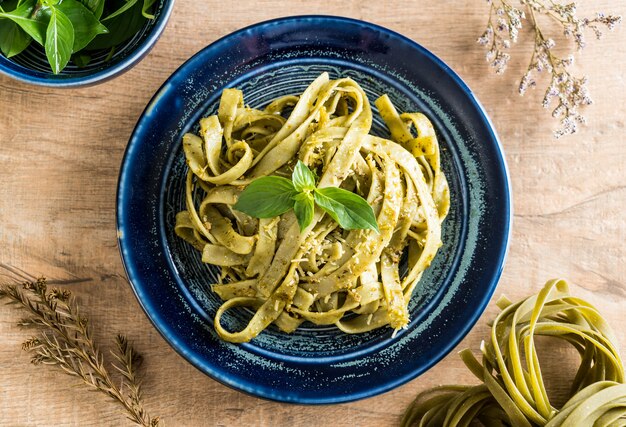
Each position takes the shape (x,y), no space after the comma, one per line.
(324,273)
(512,392)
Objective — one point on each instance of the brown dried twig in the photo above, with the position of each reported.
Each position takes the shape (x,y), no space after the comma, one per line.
(65,341)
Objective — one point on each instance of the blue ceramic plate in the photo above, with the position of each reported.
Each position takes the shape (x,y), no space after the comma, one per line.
(314,364)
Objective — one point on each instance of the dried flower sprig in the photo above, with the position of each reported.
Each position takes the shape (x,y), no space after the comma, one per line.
(65,341)
(567,92)
(503,28)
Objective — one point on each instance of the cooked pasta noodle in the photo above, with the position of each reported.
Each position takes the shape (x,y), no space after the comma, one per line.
(513,392)
(324,272)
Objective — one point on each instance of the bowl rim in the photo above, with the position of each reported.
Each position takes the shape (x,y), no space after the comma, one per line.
(26,75)
(500,260)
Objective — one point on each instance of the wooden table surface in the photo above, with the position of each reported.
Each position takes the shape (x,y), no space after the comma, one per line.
(60,152)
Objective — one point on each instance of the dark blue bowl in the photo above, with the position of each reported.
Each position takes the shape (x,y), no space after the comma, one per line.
(314,364)
(31,66)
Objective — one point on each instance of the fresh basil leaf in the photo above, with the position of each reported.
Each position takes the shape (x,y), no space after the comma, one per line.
(86,26)
(350,210)
(127,5)
(59,40)
(302,177)
(266,197)
(95,6)
(13,40)
(9,5)
(147,4)
(22,16)
(304,208)
(81,59)
(121,28)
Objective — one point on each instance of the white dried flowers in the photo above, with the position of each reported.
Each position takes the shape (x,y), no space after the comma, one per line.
(565,91)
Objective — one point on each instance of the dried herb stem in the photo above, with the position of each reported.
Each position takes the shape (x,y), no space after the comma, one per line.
(65,340)
(570,93)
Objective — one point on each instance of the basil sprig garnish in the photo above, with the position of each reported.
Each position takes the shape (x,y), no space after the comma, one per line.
(68,28)
(271,196)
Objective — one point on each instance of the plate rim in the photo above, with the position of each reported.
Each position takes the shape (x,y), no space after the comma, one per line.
(502,252)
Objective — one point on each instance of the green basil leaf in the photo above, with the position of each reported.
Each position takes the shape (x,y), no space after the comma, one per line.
(350,210)
(127,5)
(266,197)
(302,177)
(95,6)
(9,5)
(147,4)
(86,26)
(121,28)
(81,59)
(22,16)
(304,208)
(59,40)
(13,40)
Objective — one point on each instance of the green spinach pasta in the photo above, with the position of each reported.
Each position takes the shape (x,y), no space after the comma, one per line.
(512,392)
(323,273)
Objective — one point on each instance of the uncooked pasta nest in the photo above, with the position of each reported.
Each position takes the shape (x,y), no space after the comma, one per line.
(324,274)
(512,392)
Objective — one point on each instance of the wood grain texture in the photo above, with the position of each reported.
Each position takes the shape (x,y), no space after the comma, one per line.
(60,152)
